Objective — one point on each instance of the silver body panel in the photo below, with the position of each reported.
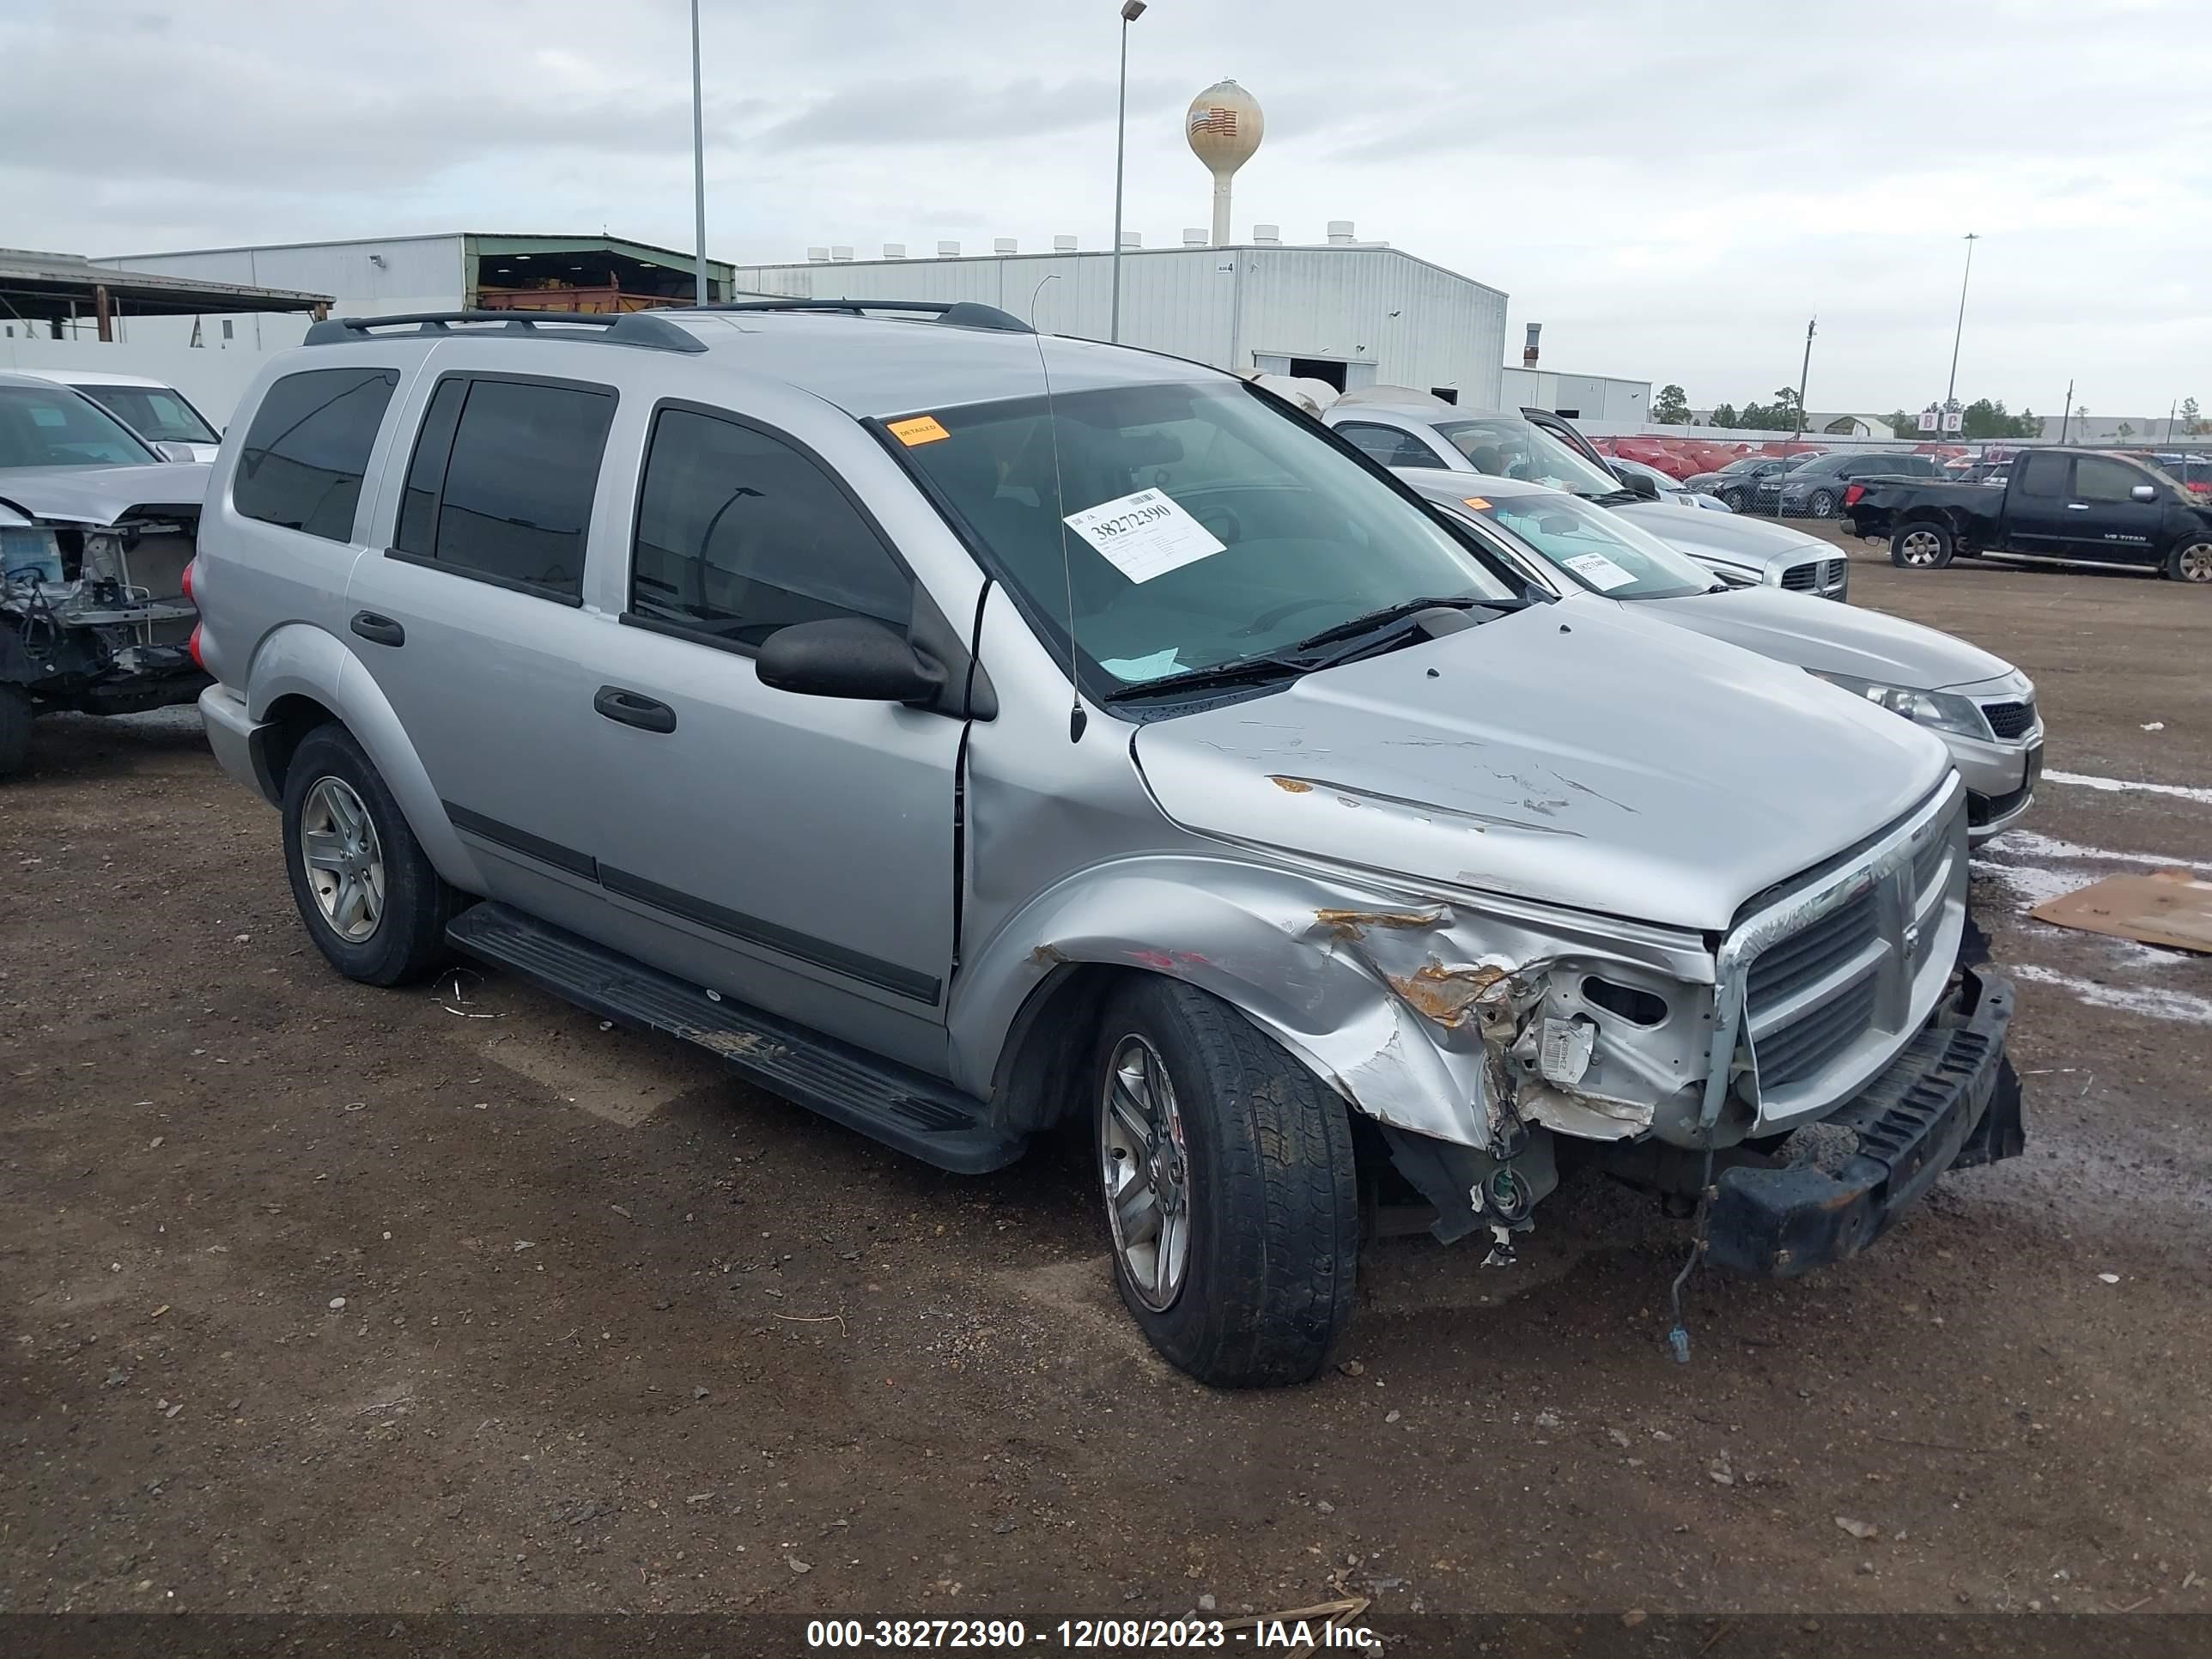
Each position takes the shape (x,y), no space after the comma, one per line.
(1400,876)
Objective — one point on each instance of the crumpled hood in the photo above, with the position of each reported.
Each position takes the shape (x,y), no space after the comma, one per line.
(1734,539)
(1573,753)
(101,495)
(1836,639)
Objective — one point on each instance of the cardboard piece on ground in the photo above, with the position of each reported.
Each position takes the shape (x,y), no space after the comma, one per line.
(2171,907)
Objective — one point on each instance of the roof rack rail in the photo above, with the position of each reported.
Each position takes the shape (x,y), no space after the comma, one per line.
(633,328)
(960,313)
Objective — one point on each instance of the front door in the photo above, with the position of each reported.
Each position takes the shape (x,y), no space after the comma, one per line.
(2109,522)
(798,851)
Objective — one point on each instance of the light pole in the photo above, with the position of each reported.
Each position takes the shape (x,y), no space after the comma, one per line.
(1131,11)
(1950,393)
(698,162)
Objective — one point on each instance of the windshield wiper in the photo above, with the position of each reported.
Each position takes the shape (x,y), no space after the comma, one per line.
(1357,636)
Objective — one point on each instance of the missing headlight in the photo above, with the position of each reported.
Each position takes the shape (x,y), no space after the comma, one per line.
(1639,1007)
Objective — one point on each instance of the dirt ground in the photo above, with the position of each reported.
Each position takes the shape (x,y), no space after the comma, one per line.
(318,1297)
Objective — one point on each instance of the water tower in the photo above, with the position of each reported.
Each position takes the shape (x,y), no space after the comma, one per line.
(1224,126)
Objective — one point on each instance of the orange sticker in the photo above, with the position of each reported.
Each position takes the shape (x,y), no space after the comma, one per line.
(921,430)
(1476,503)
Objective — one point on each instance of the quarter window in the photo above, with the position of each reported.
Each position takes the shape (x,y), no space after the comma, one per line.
(2043,475)
(2097,479)
(305,454)
(1388,445)
(502,481)
(740,533)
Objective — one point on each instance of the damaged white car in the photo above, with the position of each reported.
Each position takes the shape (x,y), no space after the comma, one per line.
(962,734)
(96,535)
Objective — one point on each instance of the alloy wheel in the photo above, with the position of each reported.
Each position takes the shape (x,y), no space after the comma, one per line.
(1146,1169)
(2194,563)
(1921,548)
(343,859)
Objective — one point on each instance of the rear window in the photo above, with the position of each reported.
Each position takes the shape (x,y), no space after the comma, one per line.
(503,481)
(305,453)
(156,413)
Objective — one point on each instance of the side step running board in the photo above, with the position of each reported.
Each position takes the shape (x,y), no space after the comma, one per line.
(909,1111)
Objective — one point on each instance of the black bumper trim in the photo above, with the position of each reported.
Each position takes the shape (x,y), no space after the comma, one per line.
(1951,1099)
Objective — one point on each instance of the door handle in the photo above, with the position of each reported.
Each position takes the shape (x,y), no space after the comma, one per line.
(632,709)
(2078,507)
(379,630)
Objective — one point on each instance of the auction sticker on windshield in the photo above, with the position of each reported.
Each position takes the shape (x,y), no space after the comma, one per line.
(1598,571)
(1144,535)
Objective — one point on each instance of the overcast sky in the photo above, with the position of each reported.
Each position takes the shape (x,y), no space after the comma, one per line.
(1672,186)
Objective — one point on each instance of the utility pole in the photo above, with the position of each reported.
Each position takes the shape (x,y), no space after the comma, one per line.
(698,162)
(1804,371)
(2172,409)
(1951,393)
(2066,422)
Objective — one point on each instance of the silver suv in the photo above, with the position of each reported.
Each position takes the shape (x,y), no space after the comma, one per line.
(964,732)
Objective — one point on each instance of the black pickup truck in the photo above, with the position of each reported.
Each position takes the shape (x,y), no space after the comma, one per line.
(2056,504)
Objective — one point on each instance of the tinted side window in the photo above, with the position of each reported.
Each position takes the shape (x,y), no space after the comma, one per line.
(2097,479)
(302,461)
(1388,445)
(2043,475)
(501,484)
(739,534)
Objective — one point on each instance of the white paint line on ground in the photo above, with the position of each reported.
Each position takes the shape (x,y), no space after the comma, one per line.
(2026,844)
(2119,786)
(2149,1003)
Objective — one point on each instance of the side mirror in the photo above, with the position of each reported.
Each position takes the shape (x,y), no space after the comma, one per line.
(854,657)
(1642,486)
(169,452)
(2142,493)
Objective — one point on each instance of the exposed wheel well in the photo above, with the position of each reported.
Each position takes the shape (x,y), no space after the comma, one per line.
(290,719)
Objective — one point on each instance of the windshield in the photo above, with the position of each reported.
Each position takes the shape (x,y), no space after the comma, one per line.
(1508,446)
(51,426)
(154,413)
(1204,527)
(1597,547)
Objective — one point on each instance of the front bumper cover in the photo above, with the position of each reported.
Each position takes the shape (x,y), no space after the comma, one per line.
(1952,1099)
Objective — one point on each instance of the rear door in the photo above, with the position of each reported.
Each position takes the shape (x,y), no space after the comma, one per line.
(471,616)
(2036,504)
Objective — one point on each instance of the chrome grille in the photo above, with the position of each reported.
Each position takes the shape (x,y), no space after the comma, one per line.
(1805,958)
(1801,1049)
(1825,1004)
(2010,720)
(1835,576)
(1802,578)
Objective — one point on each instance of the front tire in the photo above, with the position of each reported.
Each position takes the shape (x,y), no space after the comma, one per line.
(1231,1191)
(1822,504)
(1921,547)
(368,894)
(15,719)
(1734,498)
(2190,561)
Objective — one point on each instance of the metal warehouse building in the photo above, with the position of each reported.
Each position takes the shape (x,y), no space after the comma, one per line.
(1352,313)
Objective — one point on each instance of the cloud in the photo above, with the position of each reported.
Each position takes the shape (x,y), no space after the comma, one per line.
(1672,186)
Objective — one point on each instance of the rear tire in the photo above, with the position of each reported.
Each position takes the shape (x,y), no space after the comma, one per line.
(1921,547)
(371,900)
(15,719)
(2190,561)
(1231,1190)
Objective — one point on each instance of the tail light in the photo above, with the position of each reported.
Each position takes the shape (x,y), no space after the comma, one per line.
(190,568)
(1852,493)
(193,647)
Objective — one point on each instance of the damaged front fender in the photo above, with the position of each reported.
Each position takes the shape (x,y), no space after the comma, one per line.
(1428,1013)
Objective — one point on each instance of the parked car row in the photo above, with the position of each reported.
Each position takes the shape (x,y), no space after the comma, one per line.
(962,732)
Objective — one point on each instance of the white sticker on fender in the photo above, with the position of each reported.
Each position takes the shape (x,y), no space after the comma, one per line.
(1144,535)
(1598,571)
